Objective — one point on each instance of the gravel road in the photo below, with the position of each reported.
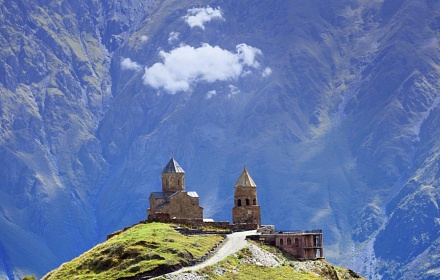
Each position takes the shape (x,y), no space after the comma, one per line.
(234,242)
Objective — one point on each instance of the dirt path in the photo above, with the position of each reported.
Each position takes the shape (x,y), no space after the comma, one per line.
(234,243)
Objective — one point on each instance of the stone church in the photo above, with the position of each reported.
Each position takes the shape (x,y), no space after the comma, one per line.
(174,202)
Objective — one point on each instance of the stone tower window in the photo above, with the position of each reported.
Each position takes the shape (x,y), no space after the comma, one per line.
(281,241)
(289,241)
(178,182)
(254,202)
(247,201)
(296,242)
(239,202)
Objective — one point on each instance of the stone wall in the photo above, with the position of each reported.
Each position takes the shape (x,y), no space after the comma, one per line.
(246,214)
(122,230)
(173,182)
(246,208)
(165,218)
(179,205)
(182,206)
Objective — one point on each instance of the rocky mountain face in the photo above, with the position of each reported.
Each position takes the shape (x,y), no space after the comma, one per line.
(55,86)
(333,106)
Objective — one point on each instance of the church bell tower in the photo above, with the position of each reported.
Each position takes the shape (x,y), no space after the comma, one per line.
(246,209)
(173,177)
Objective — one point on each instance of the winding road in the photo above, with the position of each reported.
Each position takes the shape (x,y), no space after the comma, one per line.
(234,242)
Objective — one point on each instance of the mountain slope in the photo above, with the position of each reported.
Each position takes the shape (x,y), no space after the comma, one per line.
(147,249)
(332,106)
(154,249)
(55,85)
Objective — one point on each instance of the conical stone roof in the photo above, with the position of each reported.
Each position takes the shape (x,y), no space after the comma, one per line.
(173,167)
(245,180)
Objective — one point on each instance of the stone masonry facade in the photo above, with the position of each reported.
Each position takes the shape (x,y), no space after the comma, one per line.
(174,201)
(246,209)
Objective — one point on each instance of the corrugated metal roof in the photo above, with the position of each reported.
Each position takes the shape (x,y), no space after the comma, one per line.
(173,167)
(158,195)
(193,194)
(163,205)
(175,193)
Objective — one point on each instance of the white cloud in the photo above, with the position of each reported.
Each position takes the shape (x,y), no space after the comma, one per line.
(247,55)
(185,66)
(266,72)
(246,73)
(173,37)
(144,38)
(211,93)
(128,64)
(199,16)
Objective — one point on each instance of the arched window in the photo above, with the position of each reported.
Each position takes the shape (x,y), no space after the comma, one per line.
(166,182)
(239,202)
(247,201)
(281,241)
(289,241)
(296,242)
(178,182)
(254,201)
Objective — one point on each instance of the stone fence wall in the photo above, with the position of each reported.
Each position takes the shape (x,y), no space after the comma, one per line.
(122,230)
(209,254)
(165,218)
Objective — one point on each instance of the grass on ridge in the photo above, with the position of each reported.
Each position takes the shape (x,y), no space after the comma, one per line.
(142,248)
(233,268)
(238,267)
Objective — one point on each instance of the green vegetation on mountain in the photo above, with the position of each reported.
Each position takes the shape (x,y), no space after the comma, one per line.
(143,248)
(154,249)
(247,264)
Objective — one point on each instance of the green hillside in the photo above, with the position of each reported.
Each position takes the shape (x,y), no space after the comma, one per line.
(153,249)
(258,261)
(143,248)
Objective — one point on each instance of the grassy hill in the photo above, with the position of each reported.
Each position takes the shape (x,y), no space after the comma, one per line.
(258,261)
(151,248)
(265,262)
(154,249)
